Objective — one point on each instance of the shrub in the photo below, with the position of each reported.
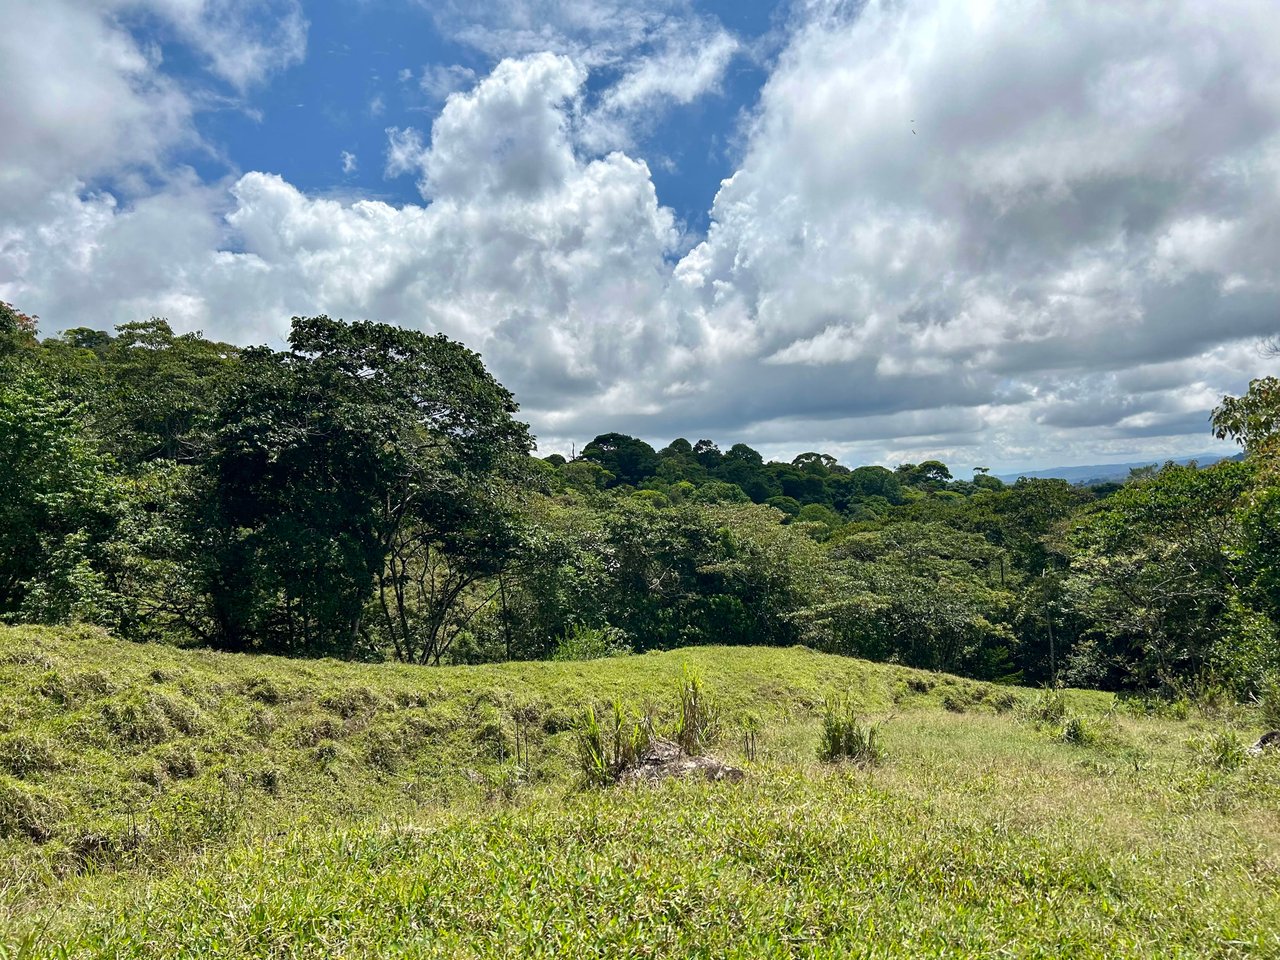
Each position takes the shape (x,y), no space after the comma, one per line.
(846,736)
(698,715)
(591,643)
(1048,706)
(1076,731)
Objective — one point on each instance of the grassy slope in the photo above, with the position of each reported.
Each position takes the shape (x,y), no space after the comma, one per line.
(156,802)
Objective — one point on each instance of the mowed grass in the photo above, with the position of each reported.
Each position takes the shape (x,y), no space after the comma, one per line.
(165,803)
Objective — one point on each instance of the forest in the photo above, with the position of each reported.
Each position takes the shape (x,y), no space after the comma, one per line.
(369,493)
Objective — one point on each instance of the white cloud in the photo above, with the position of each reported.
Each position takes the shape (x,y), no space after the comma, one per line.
(243,41)
(80,99)
(1068,261)
(348,162)
(652,56)
(438,81)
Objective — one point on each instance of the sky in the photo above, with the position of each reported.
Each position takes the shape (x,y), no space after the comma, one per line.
(1008,233)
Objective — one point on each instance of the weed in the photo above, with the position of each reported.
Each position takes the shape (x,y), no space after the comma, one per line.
(955,702)
(506,780)
(24,755)
(352,702)
(1222,751)
(1049,706)
(698,715)
(846,736)
(1268,699)
(25,812)
(750,736)
(1004,701)
(180,762)
(605,750)
(1076,731)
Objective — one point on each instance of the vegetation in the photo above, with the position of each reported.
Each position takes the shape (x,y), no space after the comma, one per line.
(369,494)
(259,695)
(161,802)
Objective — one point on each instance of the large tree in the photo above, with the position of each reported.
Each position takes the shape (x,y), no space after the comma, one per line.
(330,453)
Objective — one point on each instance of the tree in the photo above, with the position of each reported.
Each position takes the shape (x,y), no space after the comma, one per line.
(1253,420)
(929,475)
(328,455)
(55,505)
(745,467)
(1157,570)
(17,329)
(629,459)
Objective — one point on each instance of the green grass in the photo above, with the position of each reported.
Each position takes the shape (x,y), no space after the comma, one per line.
(164,803)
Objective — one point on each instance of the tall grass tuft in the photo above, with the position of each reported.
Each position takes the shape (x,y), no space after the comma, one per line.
(1222,750)
(606,749)
(846,736)
(698,715)
(1049,706)
(1269,701)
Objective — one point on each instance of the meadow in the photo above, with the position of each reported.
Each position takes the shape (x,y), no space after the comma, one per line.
(159,802)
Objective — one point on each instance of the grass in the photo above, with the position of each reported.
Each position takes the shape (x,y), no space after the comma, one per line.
(165,803)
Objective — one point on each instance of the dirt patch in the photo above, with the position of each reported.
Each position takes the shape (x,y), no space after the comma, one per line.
(662,760)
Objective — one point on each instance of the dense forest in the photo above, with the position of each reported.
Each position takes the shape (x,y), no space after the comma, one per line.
(369,493)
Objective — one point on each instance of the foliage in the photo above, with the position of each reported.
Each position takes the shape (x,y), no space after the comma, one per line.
(360,454)
(605,750)
(55,506)
(591,643)
(846,736)
(346,809)
(697,723)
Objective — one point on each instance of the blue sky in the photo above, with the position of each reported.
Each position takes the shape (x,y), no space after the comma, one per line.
(363,73)
(1015,233)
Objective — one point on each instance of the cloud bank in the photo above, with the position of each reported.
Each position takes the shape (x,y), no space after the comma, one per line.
(1014,232)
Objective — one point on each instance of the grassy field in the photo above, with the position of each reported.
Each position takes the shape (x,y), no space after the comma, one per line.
(165,803)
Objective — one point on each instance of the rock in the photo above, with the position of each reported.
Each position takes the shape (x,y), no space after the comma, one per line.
(1265,742)
(662,759)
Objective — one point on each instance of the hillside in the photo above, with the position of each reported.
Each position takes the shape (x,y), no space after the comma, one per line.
(159,802)
(1110,472)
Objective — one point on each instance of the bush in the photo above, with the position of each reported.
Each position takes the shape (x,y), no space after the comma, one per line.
(846,736)
(591,643)
(1049,706)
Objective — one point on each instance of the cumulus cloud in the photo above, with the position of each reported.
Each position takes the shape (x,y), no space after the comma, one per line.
(1069,260)
(653,56)
(81,99)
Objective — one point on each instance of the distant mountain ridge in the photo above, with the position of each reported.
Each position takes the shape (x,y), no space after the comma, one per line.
(1107,472)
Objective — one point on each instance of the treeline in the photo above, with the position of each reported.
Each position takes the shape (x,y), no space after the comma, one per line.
(369,493)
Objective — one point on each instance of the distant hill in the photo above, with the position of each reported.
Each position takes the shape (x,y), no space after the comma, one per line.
(1106,472)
